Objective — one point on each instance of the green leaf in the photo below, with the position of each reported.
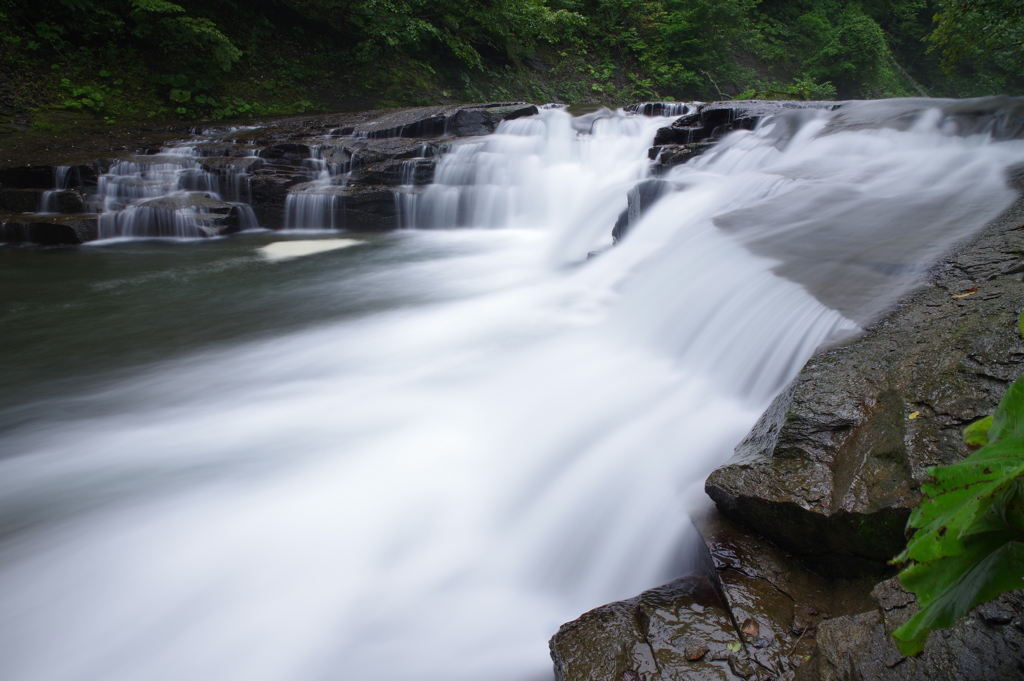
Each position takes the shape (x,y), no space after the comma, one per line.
(157,6)
(957,496)
(1009,415)
(179,95)
(967,542)
(976,434)
(1020,325)
(993,563)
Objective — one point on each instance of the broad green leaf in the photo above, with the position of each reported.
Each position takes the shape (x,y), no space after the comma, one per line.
(993,564)
(967,545)
(957,496)
(976,434)
(1009,415)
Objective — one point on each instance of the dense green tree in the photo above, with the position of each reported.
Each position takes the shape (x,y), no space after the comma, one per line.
(980,31)
(225,57)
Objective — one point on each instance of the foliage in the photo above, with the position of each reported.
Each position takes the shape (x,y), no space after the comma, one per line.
(967,545)
(802,88)
(463,26)
(174,31)
(973,29)
(224,58)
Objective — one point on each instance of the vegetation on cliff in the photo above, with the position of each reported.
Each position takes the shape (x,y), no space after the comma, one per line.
(138,59)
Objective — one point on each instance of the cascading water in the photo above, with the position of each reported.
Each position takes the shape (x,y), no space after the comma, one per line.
(312,208)
(316,205)
(168,195)
(49,201)
(427,492)
(662,108)
(537,170)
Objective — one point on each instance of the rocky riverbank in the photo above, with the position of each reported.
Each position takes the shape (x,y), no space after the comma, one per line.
(816,498)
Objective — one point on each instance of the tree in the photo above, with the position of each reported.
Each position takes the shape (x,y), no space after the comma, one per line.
(972,29)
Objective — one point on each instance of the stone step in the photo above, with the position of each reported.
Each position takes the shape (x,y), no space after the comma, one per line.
(48,230)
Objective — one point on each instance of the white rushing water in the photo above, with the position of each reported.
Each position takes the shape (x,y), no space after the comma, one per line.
(427,493)
(169,195)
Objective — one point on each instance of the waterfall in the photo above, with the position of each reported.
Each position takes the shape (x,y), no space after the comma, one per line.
(662,108)
(538,170)
(170,195)
(49,201)
(427,491)
(317,205)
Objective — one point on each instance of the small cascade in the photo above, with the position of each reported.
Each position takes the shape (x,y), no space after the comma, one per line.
(406,194)
(517,177)
(662,108)
(171,194)
(317,167)
(316,205)
(235,183)
(49,202)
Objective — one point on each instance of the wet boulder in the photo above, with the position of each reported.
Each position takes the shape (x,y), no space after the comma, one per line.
(484,119)
(674,632)
(397,171)
(639,200)
(986,644)
(671,155)
(777,603)
(68,201)
(335,155)
(832,470)
(369,209)
(268,188)
(369,151)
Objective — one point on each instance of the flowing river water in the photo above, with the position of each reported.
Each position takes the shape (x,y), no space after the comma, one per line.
(416,456)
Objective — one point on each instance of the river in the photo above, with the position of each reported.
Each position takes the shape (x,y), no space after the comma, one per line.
(415,455)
